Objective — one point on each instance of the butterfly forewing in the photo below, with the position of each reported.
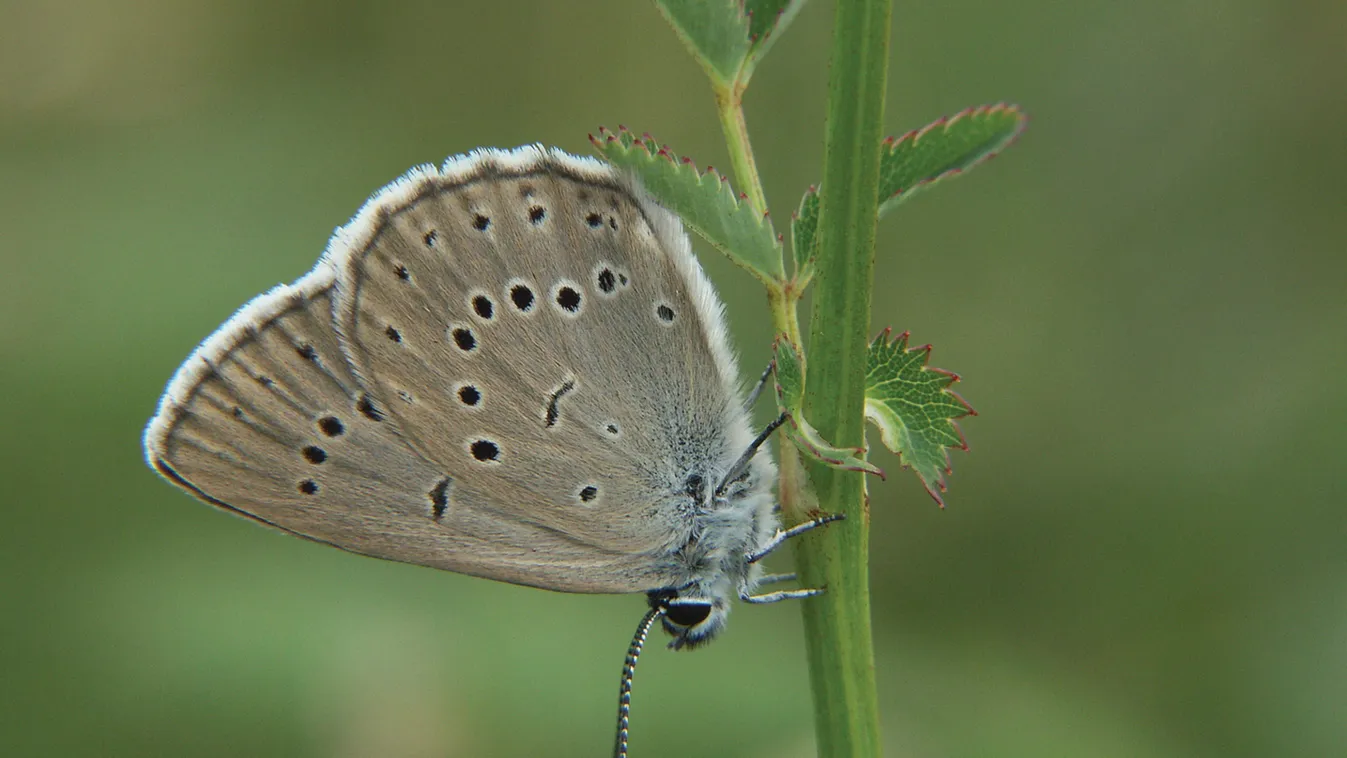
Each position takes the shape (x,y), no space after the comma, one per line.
(528,328)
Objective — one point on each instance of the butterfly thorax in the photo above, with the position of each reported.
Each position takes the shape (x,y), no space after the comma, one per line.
(724,530)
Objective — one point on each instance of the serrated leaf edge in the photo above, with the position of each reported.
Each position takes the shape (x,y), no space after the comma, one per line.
(901,342)
(891,144)
(646,143)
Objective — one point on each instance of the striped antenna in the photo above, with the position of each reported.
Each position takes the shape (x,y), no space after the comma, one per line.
(742,464)
(628,671)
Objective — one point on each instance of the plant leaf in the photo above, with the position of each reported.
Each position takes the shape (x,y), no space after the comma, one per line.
(767,21)
(804,238)
(729,37)
(715,32)
(789,371)
(706,202)
(943,149)
(914,408)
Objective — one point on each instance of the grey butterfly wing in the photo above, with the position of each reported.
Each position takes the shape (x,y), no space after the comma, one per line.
(594,352)
(267,421)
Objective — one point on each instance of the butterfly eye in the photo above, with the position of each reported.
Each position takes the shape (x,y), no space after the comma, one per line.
(689,614)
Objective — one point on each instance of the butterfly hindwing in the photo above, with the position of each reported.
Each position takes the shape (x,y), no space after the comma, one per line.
(267,420)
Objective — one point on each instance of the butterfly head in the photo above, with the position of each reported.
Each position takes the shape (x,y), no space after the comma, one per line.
(691,621)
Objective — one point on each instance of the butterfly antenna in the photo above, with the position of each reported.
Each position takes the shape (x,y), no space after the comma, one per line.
(742,463)
(628,671)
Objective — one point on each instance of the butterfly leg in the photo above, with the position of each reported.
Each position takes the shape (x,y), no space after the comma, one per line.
(776,578)
(779,595)
(757,390)
(784,534)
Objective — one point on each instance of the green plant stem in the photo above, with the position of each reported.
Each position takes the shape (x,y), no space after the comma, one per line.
(837,624)
(841,657)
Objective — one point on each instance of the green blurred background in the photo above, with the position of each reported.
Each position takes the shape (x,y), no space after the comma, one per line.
(1145,554)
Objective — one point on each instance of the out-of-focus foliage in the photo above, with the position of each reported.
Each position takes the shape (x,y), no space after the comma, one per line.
(1142,555)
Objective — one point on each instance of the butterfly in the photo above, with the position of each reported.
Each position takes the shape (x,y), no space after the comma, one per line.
(511,367)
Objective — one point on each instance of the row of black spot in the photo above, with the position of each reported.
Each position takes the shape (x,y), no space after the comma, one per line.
(537,214)
(568,299)
(483,450)
(332,427)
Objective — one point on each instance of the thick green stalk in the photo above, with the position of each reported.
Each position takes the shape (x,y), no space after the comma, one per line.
(837,624)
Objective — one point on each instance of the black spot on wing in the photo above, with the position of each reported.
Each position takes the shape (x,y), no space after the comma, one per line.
(439,498)
(553,404)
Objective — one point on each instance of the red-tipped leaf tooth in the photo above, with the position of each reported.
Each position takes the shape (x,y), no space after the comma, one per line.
(781,238)
(971,410)
(963,443)
(743,195)
(765,214)
(953,377)
(687,161)
(940,483)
